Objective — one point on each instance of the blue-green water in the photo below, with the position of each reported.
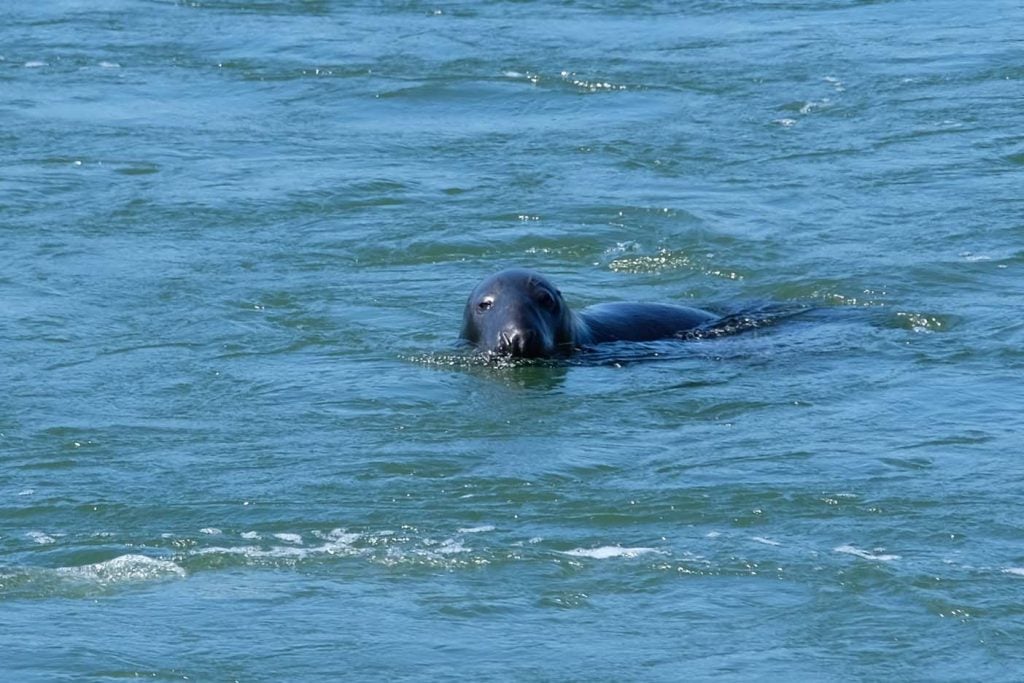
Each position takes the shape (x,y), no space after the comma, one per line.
(236,442)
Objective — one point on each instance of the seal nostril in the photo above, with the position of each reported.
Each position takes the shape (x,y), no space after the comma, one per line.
(520,343)
(504,343)
(516,342)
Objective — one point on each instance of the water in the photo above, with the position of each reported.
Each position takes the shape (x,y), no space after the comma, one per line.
(236,440)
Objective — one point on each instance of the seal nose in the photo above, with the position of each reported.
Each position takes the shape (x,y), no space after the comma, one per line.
(517,343)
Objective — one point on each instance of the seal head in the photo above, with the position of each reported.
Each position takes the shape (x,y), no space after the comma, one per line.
(519,313)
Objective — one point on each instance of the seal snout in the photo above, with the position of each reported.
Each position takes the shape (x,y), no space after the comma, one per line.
(520,343)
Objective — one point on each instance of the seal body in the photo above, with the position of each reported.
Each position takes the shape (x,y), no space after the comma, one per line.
(520,313)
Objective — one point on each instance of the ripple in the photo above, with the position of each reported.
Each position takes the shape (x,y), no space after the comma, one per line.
(922,322)
(609,551)
(590,85)
(41,538)
(667,260)
(875,555)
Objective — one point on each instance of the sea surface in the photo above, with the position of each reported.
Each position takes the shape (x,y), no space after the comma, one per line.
(238,441)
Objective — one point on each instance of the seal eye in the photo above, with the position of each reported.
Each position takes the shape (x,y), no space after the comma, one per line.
(485,304)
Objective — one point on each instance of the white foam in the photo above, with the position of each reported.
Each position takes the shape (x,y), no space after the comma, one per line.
(766,541)
(520,75)
(110,65)
(125,568)
(452,546)
(1016,571)
(808,107)
(247,550)
(338,542)
(210,531)
(973,258)
(608,551)
(836,83)
(857,552)
(476,529)
(342,537)
(41,538)
(251,536)
(35,64)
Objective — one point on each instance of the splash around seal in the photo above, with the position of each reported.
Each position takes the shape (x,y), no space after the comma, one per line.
(520,313)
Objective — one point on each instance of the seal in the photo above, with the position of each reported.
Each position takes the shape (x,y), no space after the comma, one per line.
(520,313)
